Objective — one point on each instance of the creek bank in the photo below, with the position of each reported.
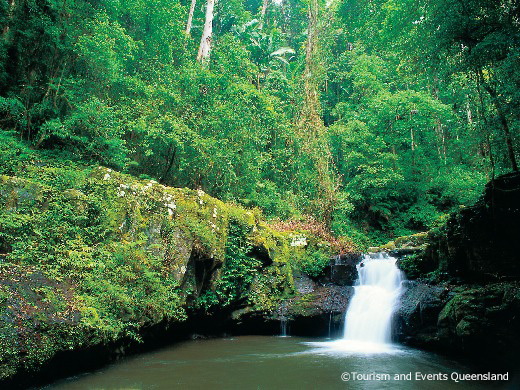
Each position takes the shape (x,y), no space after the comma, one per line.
(96,265)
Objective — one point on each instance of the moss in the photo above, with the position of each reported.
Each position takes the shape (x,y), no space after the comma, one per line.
(271,287)
(103,254)
(415,240)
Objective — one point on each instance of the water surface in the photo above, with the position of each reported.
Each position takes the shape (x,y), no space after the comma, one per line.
(270,362)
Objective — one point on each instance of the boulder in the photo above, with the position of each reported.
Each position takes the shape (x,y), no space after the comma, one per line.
(415,320)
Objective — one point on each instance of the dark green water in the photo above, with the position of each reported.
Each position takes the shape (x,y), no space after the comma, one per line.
(262,362)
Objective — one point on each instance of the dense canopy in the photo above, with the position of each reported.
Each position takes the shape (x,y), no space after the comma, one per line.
(374,117)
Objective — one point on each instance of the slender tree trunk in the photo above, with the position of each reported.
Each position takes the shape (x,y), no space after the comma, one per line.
(262,14)
(311,103)
(205,40)
(10,8)
(441,137)
(503,121)
(507,133)
(438,143)
(468,112)
(311,124)
(171,152)
(488,136)
(190,17)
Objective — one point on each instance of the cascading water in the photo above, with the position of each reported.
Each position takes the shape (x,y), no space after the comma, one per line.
(368,317)
(283,327)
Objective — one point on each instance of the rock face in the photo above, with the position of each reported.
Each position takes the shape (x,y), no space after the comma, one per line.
(466,298)
(404,245)
(479,242)
(415,320)
(479,321)
(316,309)
(342,270)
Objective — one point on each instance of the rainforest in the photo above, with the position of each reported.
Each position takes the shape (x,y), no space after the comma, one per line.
(186,181)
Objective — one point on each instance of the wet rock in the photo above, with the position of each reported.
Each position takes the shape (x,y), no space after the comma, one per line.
(316,310)
(303,284)
(413,241)
(474,320)
(403,246)
(342,270)
(388,247)
(415,321)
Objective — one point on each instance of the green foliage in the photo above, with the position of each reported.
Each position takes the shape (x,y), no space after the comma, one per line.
(117,84)
(239,269)
(411,266)
(313,263)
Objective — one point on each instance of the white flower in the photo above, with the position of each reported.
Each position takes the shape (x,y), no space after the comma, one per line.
(214,212)
(170,204)
(200,193)
(107,176)
(171,207)
(299,241)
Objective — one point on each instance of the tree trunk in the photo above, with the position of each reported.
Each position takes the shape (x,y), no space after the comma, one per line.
(190,17)
(311,102)
(503,121)
(262,14)
(10,8)
(469,114)
(205,40)
(170,164)
(488,136)
(311,124)
(507,133)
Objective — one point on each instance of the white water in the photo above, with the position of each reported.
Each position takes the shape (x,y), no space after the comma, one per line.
(368,317)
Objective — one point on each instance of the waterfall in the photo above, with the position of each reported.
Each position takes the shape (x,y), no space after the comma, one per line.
(368,317)
(283,327)
(330,323)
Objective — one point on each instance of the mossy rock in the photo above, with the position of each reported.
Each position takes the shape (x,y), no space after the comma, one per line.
(18,193)
(139,253)
(414,241)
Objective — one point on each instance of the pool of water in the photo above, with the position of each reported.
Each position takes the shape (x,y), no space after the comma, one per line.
(270,362)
